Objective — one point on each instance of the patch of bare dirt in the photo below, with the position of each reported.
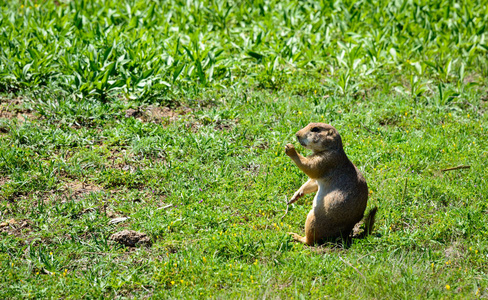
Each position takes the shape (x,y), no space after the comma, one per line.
(5,114)
(16,227)
(223,126)
(284,285)
(74,189)
(78,188)
(194,127)
(118,159)
(220,125)
(13,109)
(155,114)
(454,251)
(3,180)
(167,115)
(329,247)
(131,238)
(252,169)
(126,161)
(10,101)
(471,78)
(388,121)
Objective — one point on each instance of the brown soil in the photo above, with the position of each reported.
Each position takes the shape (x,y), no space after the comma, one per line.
(131,238)
(13,109)
(15,227)
(78,188)
(156,114)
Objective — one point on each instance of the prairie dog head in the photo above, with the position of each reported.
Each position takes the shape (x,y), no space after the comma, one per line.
(319,137)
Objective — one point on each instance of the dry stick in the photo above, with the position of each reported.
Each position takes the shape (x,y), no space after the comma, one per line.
(367,129)
(145,288)
(455,168)
(286,211)
(346,262)
(164,207)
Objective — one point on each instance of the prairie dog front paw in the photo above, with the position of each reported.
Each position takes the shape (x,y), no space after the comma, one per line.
(295,197)
(290,150)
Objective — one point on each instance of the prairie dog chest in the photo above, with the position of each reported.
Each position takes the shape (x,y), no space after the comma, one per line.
(323,190)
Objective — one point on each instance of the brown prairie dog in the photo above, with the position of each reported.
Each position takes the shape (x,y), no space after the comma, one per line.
(342,192)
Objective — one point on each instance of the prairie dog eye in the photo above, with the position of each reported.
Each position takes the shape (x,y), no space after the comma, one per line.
(315,129)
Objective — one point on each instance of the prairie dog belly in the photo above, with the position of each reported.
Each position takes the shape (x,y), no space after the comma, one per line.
(322,192)
(327,196)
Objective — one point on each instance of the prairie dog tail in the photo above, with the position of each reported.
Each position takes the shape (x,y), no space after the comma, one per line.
(368,220)
(364,228)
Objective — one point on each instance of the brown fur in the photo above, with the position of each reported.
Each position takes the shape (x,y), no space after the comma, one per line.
(342,192)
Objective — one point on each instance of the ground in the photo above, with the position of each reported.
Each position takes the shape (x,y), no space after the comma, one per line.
(167,123)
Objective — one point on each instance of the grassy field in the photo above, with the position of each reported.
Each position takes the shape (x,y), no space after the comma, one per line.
(170,117)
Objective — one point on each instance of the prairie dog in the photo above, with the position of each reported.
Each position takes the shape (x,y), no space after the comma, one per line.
(342,192)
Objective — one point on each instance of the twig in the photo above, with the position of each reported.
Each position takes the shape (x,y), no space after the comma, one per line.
(455,168)
(287,206)
(145,288)
(47,272)
(367,129)
(164,207)
(118,220)
(346,262)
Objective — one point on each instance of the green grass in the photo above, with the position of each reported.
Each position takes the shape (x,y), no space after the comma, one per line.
(118,109)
